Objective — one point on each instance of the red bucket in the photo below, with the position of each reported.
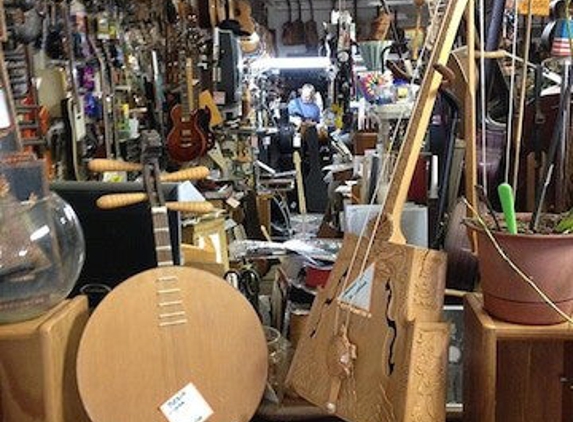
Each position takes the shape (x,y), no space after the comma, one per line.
(317,276)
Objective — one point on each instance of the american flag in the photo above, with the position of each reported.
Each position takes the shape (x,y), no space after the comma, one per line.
(561,45)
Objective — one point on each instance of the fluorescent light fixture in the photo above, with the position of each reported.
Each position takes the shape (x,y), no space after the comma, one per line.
(292,63)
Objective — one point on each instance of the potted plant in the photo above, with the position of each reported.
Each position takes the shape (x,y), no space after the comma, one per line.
(526,272)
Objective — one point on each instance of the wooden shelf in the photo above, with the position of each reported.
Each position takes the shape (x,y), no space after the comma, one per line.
(515,373)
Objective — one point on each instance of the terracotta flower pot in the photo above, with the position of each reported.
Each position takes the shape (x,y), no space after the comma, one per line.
(546,259)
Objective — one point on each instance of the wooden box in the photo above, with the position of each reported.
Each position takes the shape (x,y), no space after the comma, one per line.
(208,233)
(515,373)
(38,366)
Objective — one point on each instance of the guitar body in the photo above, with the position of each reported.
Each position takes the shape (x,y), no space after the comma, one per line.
(189,138)
(128,365)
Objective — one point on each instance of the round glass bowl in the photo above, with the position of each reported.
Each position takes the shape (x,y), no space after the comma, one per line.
(42,251)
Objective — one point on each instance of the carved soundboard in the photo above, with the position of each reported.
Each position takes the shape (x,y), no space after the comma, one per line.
(390,346)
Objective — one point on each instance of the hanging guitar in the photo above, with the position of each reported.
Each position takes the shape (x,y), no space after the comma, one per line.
(73,110)
(311,30)
(171,343)
(298,35)
(191,134)
(287,33)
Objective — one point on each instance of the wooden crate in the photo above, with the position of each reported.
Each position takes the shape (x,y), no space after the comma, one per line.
(209,231)
(38,366)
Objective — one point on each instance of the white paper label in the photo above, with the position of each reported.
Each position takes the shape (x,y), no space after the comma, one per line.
(360,291)
(188,405)
(233,203)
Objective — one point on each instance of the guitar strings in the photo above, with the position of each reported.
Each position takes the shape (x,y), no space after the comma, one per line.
(510,115)
(482,82)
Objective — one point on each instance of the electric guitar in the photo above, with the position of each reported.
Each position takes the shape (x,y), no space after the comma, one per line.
(191,135)
(171,343)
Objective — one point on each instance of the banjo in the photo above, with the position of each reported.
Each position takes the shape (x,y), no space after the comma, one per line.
(171,343)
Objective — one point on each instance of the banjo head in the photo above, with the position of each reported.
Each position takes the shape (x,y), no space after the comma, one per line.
(139,349)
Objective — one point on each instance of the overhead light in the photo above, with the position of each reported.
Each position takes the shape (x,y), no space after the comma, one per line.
(291,63)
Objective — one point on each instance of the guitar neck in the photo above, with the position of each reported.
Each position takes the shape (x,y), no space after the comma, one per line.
(163,249)
(189,76)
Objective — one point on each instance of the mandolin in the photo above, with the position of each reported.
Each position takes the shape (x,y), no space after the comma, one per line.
(171,343)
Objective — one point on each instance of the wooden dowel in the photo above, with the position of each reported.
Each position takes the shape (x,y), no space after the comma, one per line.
(203,207)
(100,165)
(195,173)
(108,202)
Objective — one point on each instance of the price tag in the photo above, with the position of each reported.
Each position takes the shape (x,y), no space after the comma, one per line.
(188,405)
(538,7)
(233,203)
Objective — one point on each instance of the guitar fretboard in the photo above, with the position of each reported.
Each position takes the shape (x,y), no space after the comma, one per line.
(163,249)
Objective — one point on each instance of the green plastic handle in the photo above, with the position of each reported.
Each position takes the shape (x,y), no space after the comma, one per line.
(505,193)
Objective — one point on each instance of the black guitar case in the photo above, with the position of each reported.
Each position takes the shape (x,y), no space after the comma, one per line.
(316,190)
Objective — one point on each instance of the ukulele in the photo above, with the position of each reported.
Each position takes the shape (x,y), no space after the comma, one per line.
(191,134)
(171,337)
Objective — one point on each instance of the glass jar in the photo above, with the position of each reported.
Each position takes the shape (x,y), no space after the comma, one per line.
(278,348)
(42,251)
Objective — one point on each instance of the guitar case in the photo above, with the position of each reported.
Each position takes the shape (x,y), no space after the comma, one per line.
(316,189)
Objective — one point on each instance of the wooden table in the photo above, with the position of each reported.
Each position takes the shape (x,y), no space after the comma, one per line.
(515,373)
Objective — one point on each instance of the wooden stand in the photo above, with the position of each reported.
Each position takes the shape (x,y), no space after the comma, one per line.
(515,373)
(37,366)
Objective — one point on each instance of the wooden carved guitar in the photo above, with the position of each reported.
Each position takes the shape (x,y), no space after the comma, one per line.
(173,341)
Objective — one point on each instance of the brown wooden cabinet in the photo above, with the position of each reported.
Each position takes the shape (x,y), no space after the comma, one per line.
(515,373)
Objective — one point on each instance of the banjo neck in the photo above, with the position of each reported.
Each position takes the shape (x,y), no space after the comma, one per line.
(169,296)
(163,250)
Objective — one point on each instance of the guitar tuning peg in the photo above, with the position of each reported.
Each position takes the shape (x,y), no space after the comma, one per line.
(195,173)
(203,207)
(108,202)
(100,165)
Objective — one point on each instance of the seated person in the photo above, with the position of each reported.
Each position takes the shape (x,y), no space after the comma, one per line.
(305,108)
